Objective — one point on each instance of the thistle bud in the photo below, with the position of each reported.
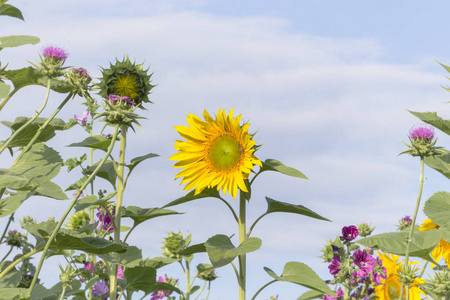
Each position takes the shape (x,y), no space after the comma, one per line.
(404,223)
(422,142)
(15,238)
(51,61)
(79,78)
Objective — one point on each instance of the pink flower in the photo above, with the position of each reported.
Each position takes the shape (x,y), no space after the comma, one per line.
(364,261)
(335,265)
(422,132)
(349,233)
(82,119)
(56,53)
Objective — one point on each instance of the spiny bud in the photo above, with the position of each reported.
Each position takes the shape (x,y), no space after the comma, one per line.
(206,272)
(174,244)
(15,238)
(365,229)
(78,220)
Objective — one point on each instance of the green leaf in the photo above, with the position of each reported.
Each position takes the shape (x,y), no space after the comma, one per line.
(422,243)
(140,215)
(86,202)
(437,208)
(4,89)
(10,204)
(30,76)
(440,163)
(157,262)
(277,206)
(24,137)
(301,274)
(132,257)
(278,166)
(11,11)
(17,40)
(70,240)
(11,279)
(140,278)
(79,183)
(135,161)
(311,294)
(197,248)
(106,171)
(95,142)
(206,193)
(221,251)
(433,119)
(51,190)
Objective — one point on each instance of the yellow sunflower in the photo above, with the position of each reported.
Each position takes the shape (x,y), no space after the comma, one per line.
(217,153)
(443,248)
(390,287)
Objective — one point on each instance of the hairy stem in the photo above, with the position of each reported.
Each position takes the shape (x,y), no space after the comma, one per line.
(242,237)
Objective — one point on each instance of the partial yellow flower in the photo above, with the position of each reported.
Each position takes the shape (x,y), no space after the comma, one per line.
(390,287)
(217,153)
(443,248)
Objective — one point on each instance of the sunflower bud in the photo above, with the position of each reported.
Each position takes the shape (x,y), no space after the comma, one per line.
(78,220)
(206,272)
(365,229)
(67,275)
(408,274)
(174,244)
(331,249)
(440,284)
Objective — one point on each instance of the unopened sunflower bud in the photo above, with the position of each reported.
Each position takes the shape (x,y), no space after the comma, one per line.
(408,274)
(78,220)
(27,220)
(174,244)
(440,284)
(331,249)
(365,229)
(206,272)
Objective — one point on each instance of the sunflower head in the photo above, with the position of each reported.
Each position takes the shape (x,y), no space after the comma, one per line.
(217,152)
(126,79)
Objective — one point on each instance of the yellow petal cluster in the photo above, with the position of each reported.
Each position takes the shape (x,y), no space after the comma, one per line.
(443,248)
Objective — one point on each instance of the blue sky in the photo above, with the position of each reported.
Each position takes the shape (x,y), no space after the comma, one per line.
(326,84)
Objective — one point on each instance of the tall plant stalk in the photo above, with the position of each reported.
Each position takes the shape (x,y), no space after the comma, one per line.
(242,237)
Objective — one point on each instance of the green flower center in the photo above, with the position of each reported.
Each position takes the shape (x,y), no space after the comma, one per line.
(126,85)
(393,289)
(225,153)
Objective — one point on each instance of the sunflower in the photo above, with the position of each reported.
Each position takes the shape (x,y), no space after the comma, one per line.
(125,78)
(217,153)
(390,287)
(443,248)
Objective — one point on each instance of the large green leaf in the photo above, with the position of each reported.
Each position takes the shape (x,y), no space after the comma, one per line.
(437,208)
(299,273)
(51,190)
(140,215)
(71,240)
(11,279)
(158,262)
(11,11)
(106,171)
(24,137)
(197,248)
(278,166)
(86,202)
(311,294)
(433,119)
(206,193)
(422,243)
(30,76)
(140,278)
(440,163)
(4,89)
(130,258)
(95,142)
(17,40)
(10,204)
(137,160)
(221,251)
(277,206)
(36,167)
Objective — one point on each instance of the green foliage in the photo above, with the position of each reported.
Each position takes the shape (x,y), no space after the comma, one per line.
(437,208)
(17,40)
(11,11)
(278,166)
(221,251)
(140,278)
(107,171)
(301,274)
(4,89)
(440,163)
(277,206)
(94,142)
(10,204)
(433,119)
(132,257)
(137,160)
(206,193)
(139,215)
(311,294)
(30,76)
(422,243)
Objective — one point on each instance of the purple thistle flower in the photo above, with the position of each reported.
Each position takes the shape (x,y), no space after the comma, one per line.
(100,288)
(82,72)
(335,265)
(349,233)
(364,261)
(82,119)
(114,99)
(55,53)
(422,132)
(406,219)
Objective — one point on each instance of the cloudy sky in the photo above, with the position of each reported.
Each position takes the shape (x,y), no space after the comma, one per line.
(327,85)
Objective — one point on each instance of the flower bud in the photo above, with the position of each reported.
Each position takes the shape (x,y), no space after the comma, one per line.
(422,144)
(365,229)
(174,244)
(15,238)
(51,61)
(404,223)
(78,220)
(79,78)
(206,272)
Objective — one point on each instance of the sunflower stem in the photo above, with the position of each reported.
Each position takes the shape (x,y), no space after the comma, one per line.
(413,223)
(242,237)
(66,213)
(119,197)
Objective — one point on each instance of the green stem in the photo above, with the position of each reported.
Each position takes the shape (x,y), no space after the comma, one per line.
(31,120)
(17,261)
(242,237)
(9,252)
(209,290)
(11,218)
(413,222)
(254,223)
(7,98)
(201,291)
(262,288)
(188,281)
(61,297)
(66,213)
(38,133)
(119,198)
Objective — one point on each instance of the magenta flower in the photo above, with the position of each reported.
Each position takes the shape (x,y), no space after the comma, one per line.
(340,292)
(364,261)
(325,297)
(349,233)
(119,272)
(335,265)
(162,293)
(422,132)
(113,99)
(100,288)
(105,221)
(55,53)
(82,72)
(82,119)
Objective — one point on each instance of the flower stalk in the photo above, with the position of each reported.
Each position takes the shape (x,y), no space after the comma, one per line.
(72,204)
(242,237)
